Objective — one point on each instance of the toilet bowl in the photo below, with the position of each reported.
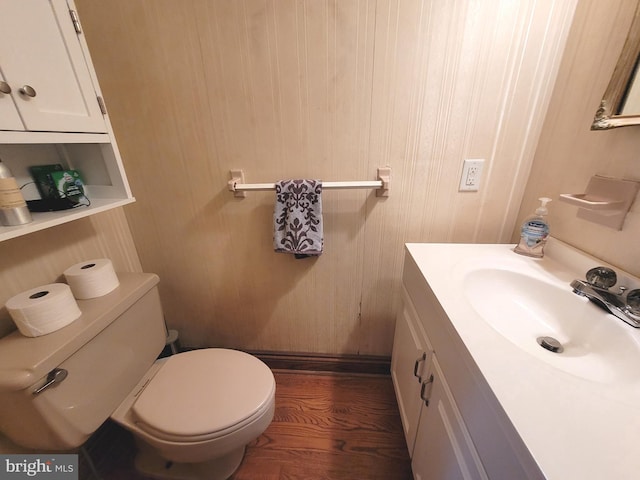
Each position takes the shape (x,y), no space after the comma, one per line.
(192,414)
(198,410)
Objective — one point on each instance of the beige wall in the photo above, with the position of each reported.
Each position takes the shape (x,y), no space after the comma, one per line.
(327,90)
(569,153)
(41,257)
(284,89)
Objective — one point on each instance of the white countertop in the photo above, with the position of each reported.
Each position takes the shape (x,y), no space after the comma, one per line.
(574,427)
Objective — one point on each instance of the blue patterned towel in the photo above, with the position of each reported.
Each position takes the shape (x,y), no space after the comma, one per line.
(297,218)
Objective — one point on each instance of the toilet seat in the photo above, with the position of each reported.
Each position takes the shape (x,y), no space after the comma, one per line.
(204,394)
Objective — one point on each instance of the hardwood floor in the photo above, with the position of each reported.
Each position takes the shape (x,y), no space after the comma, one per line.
(330,426)
(327,426)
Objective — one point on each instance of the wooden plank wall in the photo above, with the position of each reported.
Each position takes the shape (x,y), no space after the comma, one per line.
(41,257)
(316,89)
(569,153)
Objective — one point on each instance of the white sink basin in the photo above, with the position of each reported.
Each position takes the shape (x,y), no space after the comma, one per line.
(595,345)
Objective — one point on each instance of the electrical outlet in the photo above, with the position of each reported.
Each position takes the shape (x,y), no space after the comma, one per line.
(471,174)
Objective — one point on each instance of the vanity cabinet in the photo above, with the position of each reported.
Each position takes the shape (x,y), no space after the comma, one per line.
(454,426)
(437,439)
(443,448)
(410,364)
(51,109)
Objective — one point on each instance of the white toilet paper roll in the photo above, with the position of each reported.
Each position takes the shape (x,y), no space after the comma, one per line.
(43,310)
(91,279)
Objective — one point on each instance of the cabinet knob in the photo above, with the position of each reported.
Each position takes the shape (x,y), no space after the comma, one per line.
(5,87)
(27,90)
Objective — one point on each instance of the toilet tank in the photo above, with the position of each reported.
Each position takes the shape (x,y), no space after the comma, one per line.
(105,352)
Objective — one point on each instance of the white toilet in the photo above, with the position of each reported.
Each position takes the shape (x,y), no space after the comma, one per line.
(192,414)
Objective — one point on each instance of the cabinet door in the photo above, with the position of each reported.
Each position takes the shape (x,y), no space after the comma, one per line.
(39,48)
(443,447)
(9,118)
(410,361)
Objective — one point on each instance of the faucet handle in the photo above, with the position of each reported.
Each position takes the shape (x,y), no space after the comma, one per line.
(633,301)
(601,277)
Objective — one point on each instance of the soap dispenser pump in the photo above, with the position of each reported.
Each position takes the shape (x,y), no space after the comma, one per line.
(534,232)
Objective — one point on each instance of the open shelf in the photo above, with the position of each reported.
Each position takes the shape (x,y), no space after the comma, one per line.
(43,220)
(93,155)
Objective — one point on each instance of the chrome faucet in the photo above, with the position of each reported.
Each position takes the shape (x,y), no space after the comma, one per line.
(625,306)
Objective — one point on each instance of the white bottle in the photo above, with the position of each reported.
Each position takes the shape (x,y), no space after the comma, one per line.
(13,208)
(534,232)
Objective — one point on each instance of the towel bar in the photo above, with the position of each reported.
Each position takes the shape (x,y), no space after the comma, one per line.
(237,185)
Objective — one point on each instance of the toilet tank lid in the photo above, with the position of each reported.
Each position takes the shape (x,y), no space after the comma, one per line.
(25,360)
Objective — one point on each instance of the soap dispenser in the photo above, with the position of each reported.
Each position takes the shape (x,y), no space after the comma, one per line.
(534,232)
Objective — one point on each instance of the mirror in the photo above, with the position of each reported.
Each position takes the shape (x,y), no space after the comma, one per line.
(620,105)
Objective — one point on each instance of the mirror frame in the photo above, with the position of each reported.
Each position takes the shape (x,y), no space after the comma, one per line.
(606,117)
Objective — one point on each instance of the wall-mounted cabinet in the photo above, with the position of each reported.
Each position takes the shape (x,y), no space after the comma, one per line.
(47,76)
(94,156)
(9,116)
(51,109)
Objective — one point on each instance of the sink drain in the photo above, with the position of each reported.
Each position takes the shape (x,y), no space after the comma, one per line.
(550,344)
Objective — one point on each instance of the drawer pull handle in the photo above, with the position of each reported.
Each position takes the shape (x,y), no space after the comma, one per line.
(419,360)
(5,87)
(424,387)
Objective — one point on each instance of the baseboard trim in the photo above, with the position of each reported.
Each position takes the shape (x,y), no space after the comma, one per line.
(361,364)
(319,362)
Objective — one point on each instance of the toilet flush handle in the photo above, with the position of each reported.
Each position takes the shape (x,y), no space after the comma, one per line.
(56,375)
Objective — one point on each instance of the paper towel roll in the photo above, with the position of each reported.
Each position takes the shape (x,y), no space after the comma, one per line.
(43,310)
(91,279)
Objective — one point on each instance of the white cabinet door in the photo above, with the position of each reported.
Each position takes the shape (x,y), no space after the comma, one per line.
(410,362)
(40,54)
(443,449)
(9,118)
